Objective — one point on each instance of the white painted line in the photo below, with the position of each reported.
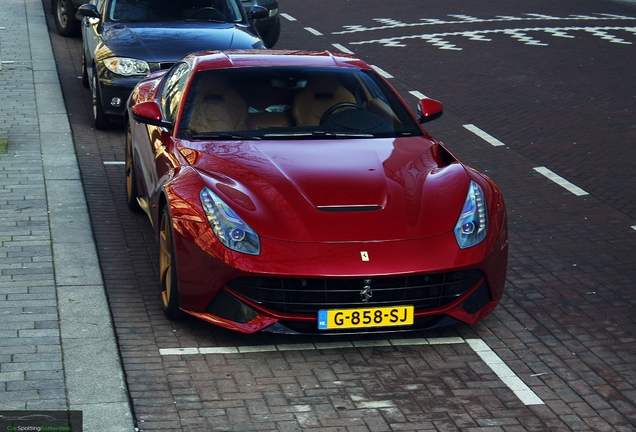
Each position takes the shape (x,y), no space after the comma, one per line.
(406,342)
(342,49)
(114,162)
(382,72)
(634,227)
(296,347)
(257,348)
(375,404)
(219,350)
(560,181)
(288,17)
(418,95)
(371,343)
(446,341)
(178,351)
(483,135)
(488,356)
(334,345)
(505,374)
(313,31)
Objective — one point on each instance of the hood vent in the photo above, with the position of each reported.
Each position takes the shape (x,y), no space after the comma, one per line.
(344,209)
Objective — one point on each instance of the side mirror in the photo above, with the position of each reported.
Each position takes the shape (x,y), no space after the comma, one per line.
(429,110)
(149,113)
(258,12)
(88,10)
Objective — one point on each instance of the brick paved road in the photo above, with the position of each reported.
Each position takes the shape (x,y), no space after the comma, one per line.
(555,84)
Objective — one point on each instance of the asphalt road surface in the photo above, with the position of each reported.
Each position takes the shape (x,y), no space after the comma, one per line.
(541,96)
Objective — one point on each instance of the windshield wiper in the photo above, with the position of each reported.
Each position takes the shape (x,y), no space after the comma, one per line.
(317,134)
(204,19)
(222,136)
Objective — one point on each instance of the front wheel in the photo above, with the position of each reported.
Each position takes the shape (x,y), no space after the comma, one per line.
(168,282)
(85,82)
(100,120)
(64,15)
(131,176)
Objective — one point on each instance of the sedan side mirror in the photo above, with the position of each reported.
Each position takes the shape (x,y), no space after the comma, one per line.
(149,113)
(429,110)
(88,10)
(258,12)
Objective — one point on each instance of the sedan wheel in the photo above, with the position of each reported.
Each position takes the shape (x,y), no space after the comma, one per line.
(167,269)
(64,16)
(131,177)
(85,82)
(100,121)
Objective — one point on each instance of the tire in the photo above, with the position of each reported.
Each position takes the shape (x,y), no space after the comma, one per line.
(100,121)
(168,282)
(85,82)
(131,176)
(64,16)
(270,37)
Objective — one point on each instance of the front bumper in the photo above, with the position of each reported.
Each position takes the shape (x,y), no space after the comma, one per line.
(210,277)
(115,89)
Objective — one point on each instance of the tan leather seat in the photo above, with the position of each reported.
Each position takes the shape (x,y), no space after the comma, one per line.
(322,92)
(217,108)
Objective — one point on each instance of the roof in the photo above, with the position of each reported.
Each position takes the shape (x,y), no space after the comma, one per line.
(260,58)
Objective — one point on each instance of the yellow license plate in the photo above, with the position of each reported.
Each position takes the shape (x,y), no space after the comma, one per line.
(365,317)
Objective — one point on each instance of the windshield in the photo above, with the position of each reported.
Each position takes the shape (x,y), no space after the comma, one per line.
(292,103)
(170,10)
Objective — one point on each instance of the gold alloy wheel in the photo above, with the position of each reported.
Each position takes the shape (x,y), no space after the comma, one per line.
(129,169)
(165,260)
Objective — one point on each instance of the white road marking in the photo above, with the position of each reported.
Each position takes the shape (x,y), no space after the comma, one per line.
(382,72)
(488,356)
(417,94)
(505,374)
(634,227)
(313,31)
(288,17)
(560,181)
(114,162)
(440,40)
(342,48)
(389,23)
(483,135)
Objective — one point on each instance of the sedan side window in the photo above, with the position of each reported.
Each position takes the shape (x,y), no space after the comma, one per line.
(173,90)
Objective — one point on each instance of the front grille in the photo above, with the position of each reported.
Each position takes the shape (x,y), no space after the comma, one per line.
(159,66)
(308,296)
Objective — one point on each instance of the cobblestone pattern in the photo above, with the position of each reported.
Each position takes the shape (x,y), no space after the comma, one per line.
(565,327)
(31,372)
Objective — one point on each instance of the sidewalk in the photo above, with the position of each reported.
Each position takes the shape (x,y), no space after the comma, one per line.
(57,344)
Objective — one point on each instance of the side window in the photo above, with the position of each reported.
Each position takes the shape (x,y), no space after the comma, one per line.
(172,92)
(99,4)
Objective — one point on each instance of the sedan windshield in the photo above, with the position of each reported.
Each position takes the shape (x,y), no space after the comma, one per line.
(293,103)
(170,10)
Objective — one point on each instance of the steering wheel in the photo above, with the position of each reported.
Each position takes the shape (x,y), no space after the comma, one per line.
(203,9)
(336,107)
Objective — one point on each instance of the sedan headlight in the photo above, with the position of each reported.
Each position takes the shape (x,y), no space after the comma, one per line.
(127,66)
(228,227)
(472,226)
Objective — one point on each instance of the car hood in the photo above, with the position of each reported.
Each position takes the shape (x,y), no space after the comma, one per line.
(336,190)
(168,42)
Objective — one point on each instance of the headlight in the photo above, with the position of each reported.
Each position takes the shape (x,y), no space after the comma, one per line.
(472,226)
(127,66)
(228,227)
